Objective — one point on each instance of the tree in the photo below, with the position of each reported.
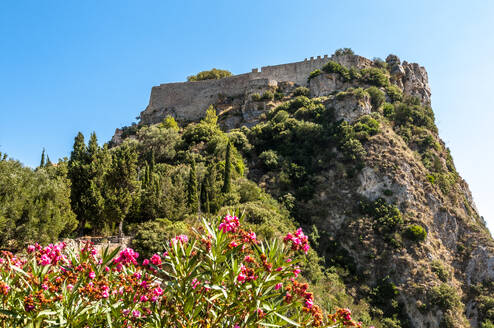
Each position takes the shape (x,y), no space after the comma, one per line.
(192,197)
(211,117)
(123,185)
(77,174)
(97,167)
(42,163)
(228,170)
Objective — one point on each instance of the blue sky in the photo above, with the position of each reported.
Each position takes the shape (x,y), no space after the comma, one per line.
(69,66)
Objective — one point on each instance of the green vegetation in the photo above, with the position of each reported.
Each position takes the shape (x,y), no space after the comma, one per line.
(444,296)
(212,74)
(301,91)
(415,232)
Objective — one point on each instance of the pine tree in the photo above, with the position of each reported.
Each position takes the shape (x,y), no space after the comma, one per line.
(211,117)
(48,162)
(228,170)
(42,163)
(192,197)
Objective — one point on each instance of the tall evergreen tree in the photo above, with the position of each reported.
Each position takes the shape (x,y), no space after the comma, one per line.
(77,174)
(97,166)
(123,184)
(42,163)
(205,196)
(48,162)
(227,176)
(192,197)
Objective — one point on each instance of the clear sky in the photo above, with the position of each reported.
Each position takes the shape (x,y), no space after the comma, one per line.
(69,66)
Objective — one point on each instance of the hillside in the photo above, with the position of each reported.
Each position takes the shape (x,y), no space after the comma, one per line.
(344,146)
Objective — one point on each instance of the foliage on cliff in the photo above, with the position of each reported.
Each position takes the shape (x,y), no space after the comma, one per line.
(212,74)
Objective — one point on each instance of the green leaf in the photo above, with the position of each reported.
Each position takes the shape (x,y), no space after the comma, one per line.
(287,319)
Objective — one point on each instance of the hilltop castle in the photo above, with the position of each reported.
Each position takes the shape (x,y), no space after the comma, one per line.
(187,101)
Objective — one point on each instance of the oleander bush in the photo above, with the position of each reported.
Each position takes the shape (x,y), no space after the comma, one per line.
(220,275)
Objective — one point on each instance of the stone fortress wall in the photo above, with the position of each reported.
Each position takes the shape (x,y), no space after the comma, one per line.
(187,101)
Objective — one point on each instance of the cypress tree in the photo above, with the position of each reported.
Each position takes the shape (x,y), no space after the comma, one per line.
(77,174)
(192,197)
(42,163)
(228,170)
(205,195)
(98,162)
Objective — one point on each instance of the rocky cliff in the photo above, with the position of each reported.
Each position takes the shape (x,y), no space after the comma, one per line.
(354,143)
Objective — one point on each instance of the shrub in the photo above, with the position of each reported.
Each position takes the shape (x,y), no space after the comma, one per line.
(256,97)
(388,110)
(377,96)
(387,216)
(270,159)
(365,127)
(343,51)
(440,270)
(444,296)
(314,73)
(379,62)
(152,235)
(353,150)
(374,76)
(301,91)
(278,95)
(334,67)
(268,95)
(394,93)
(248,282)
(212,74)
(415,232)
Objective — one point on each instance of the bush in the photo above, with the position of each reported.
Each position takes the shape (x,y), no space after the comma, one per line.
(353,150)
(377,96)
(212,74)
(415,232)
(344,51)
(256,97)
(252,282)
(270,159)
(151,236)
(444,296)
(388,110)
(375,76)
(440,270)
(334,67)
(314,73)
(301,91)
(394,93)
(365,127)
(388,217)
(278,95)
(268,95)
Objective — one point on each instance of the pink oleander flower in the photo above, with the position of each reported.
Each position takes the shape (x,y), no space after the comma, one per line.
(70,286)
(233,244)
(279,269)
(296,271)
(44,286)
(143,298)
(158,291)
(194,283)
(229,223)
(156,259)
(288,260)
(145,262)
(45,260)
(31,248)
(183,239)
(248,259)
(278,286)
(309,303)
(105,294)
(136,314)
(125,257)
(92,275)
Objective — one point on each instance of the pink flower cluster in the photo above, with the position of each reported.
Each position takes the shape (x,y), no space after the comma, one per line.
(246,274)
(229,223)
(50,254)
(125,257)
(183,239)
(299,240)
